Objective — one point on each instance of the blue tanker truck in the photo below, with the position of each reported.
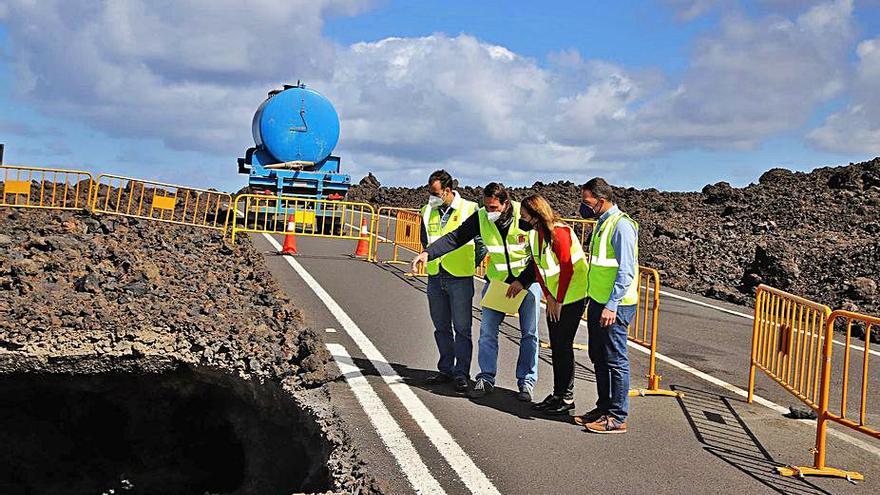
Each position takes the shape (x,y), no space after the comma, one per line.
(295,131)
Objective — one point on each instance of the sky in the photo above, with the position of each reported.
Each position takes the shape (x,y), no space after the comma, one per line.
(671,94)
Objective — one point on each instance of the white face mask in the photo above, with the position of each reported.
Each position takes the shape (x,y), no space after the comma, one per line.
(434,201)
(493,216)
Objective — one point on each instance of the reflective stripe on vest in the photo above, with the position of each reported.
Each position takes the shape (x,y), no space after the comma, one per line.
(460,262)
(548,264)
(604,266)
(516,241)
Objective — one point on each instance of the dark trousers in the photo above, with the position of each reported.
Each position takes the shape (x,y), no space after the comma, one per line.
(608,352)
(562,334)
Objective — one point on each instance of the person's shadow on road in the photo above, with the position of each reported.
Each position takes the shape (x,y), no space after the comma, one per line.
(501,399)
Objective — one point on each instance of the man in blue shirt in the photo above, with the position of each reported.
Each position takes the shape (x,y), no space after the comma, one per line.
(613,295)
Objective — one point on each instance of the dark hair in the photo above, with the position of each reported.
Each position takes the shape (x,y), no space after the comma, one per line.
(599,188)
(497,191)
(444,178)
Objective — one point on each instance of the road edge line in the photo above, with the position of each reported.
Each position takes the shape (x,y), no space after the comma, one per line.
(471,476)
(388,429)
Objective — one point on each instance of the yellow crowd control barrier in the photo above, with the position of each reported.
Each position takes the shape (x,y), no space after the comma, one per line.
(583,229)
(262,214)
(643,329)
(48,188)
(792,343)
(838,413)
(151,200)
(788,340)
(400,227)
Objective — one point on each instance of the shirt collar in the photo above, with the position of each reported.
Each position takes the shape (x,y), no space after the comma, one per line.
(611,211)
(456,201)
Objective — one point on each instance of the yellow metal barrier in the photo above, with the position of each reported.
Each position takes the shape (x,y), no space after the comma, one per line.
(788,338)
(582,228)
(400,227)
(643,329)
(47,188)
(838,414)
(313,217)
(150,200)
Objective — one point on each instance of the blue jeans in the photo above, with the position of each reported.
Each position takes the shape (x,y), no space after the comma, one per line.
(527,363)
(608,352)
(449,302)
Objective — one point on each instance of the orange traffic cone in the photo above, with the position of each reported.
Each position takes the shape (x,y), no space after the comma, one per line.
(289,239)
(363,247)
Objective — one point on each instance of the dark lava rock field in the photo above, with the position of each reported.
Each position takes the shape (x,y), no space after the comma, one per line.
(814,234)
(157,340)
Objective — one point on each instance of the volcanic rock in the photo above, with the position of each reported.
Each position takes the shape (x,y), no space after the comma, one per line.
(91,294)
(810,233)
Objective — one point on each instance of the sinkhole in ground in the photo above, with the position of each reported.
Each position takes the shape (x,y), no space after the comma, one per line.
(185,430)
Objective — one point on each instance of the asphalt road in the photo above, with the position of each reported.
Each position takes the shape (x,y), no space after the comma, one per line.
(709,441)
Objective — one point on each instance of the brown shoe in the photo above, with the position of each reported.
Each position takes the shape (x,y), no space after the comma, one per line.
(606,425)
(590,417)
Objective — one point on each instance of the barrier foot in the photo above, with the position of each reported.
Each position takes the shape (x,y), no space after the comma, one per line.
(643,392)
(577,347)
(654,388)
(802,471)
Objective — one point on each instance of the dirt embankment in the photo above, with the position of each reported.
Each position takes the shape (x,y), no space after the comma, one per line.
(815,234)
(105,296)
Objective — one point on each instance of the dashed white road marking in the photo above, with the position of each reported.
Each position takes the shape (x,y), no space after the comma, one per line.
(471,476)
(389,430)
(330,330)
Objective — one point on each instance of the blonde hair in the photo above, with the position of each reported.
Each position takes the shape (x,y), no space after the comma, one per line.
(539,208)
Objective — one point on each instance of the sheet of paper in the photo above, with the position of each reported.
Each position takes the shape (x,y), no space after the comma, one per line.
(496,298)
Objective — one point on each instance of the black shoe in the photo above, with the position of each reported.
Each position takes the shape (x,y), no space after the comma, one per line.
(461,384)
(549,401)
(438,379)
(481,388)
(561,408)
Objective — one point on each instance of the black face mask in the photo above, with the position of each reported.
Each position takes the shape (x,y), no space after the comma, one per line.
(586,212)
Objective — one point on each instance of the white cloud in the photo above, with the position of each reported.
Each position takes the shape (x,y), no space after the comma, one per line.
(857,127)
(191,74)
(755,78)
(186,72)
(687,10)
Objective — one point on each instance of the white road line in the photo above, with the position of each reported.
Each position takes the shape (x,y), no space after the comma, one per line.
(742,393)
(721,383)
(752,317)
(760,400)
(389,430)
(472,477)
(330,330)
(738,391)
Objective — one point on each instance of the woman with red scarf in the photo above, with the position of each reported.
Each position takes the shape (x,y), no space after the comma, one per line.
(561,269)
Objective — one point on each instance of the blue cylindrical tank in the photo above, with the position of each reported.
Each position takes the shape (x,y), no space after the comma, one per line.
(297,124)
